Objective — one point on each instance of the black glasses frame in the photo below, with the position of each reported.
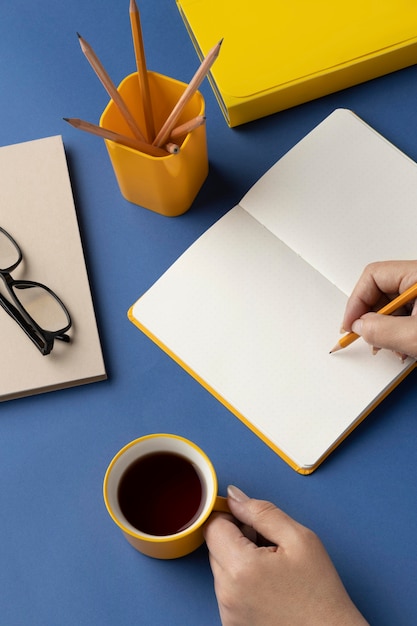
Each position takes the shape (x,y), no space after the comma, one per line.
(42,338)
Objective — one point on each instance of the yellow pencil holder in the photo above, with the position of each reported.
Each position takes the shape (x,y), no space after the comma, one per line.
(168,184)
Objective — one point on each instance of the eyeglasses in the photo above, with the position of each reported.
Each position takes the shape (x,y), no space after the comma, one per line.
(35,307)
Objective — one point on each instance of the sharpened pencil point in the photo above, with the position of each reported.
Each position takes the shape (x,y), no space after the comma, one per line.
(335,348)
(190,90)
(82,43)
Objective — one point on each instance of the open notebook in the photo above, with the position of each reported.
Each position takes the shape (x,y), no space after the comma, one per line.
(37,210)
(254,306)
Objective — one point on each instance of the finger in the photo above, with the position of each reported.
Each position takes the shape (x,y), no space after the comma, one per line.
(379,283)
(275,526)
(224,540)
(398,334)
(401,356)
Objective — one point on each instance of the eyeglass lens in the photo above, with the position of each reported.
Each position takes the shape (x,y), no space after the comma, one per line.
(43,307)
(9,254)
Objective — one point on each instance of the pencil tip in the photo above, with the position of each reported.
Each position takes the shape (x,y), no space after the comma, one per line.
(335,348)
(66,119)
(78,35)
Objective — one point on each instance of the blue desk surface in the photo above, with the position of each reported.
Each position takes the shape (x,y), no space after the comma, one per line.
(62,560)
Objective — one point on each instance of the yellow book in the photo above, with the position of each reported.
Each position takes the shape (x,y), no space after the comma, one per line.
(253,307)
(277,54)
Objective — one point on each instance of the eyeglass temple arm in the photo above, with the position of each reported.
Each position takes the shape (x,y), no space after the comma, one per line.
(43,345)
(63,337)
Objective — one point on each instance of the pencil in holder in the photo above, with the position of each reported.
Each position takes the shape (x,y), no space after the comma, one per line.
(165,184)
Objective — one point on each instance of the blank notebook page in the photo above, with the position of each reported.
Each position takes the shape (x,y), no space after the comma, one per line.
(253,307)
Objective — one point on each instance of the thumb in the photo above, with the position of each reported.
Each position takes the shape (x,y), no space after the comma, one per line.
(264,517)
(393,332)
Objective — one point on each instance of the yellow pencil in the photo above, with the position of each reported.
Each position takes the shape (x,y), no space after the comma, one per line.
(105,133)
(187,127)
(190,90)
(110,87)
(405,297)
(142,70)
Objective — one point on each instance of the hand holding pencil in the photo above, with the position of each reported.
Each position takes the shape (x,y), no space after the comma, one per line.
(379,285)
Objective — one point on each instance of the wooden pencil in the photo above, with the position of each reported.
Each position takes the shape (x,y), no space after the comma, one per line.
(105,133)
(142,70)
(404,298)
(172,148)
(187,127)
(190,90)
(110,87)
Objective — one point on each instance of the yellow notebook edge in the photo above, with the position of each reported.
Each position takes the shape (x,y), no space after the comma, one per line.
(212,391)
(200,54)
(390,388)
(304,471)
(239,110)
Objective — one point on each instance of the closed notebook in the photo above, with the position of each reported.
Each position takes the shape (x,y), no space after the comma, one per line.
(254,306)
(37,210)
(277,54)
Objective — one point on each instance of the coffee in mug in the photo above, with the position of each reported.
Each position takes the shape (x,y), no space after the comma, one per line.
(160,490)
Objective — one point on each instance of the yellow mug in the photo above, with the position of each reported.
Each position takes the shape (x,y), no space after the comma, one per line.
(169,184)
(160,489)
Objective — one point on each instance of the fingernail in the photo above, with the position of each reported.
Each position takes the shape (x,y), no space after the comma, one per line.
(357,327)
(342,330)
(375,350)
(236,494)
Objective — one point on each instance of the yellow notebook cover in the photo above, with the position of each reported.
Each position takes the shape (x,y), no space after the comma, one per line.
(277,54)
(253,306)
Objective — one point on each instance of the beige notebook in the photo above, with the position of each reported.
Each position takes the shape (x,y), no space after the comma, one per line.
(254,306)
(37,210)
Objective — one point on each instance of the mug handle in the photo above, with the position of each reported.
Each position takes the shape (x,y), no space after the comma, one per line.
(221,505)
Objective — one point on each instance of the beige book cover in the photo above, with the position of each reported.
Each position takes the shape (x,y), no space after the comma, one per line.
(37,210)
